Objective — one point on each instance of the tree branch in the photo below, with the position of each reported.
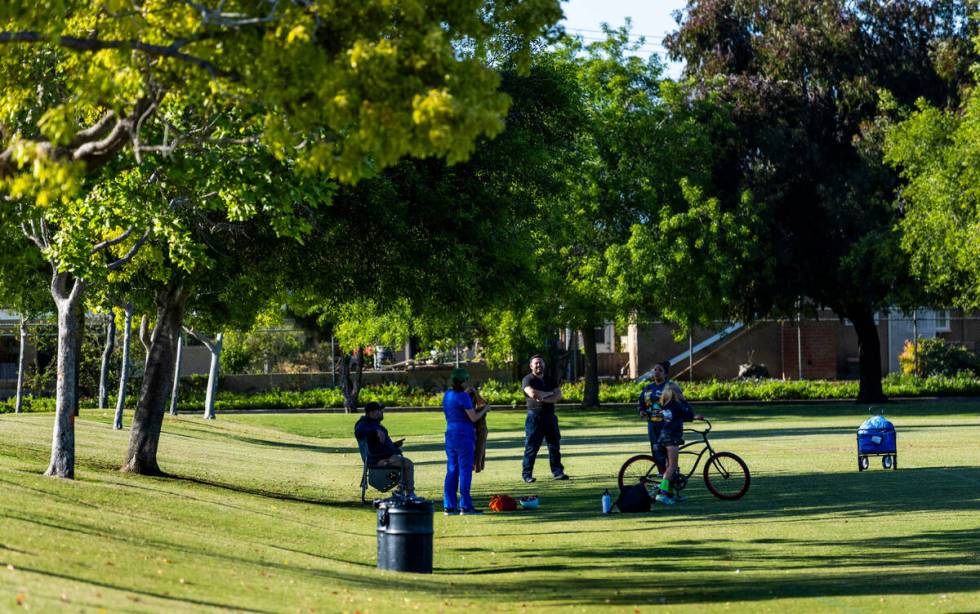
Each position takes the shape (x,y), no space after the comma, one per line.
(217,17)
(94,130)
(93,153)
(208,343)
(144,333)
(32,235)
(43,225)
(112,266)
(112,141)
(95,44)
(110,242)
(166,149)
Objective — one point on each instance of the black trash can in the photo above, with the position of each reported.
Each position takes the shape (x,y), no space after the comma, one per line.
(405,535)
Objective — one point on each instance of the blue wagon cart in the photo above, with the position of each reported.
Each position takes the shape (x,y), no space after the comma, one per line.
(877,437)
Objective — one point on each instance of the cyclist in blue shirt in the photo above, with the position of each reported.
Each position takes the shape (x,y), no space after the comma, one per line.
(650,396)
(457,405)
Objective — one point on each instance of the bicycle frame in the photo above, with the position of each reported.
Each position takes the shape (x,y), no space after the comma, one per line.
(702,442)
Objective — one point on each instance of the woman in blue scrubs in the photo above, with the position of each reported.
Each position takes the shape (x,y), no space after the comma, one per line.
(457,405)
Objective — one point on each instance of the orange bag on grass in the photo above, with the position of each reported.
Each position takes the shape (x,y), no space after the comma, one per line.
(503,503)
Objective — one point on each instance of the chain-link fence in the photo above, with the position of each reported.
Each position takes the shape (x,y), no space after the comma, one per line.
(41,351)
(922,342)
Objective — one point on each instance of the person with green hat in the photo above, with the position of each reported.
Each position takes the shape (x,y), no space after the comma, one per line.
(460,445)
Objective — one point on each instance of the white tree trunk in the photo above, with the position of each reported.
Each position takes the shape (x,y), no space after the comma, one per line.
(21,366)
(145,338)
(110,345)
(213,376)
(175,391)
(124,371)
(68,302)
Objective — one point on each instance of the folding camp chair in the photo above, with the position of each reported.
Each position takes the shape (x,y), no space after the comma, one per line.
(380,478)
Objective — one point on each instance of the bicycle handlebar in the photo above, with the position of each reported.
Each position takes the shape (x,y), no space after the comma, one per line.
(702,432)
(647,413)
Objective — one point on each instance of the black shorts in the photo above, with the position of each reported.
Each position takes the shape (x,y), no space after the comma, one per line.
(667,440)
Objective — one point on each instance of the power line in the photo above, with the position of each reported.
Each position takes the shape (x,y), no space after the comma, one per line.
(631,34)
(644,46)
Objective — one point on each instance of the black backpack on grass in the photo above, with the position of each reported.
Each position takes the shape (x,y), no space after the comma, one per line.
(634,499)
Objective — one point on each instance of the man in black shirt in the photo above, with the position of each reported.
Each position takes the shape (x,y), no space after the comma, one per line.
(382,451)
(541,423)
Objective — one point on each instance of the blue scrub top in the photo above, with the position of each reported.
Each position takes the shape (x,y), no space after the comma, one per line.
(454,406)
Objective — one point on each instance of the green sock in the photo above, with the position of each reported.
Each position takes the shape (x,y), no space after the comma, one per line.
(665,485)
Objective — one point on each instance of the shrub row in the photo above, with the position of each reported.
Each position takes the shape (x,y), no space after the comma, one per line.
(962,384)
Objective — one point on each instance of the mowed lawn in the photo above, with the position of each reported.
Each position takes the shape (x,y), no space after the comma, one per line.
(262,514)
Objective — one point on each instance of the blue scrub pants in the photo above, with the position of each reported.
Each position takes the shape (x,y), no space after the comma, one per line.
(460,448)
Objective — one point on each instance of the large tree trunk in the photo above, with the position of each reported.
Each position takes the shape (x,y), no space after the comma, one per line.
(125,368)
(175,390)
(68,302)
(144,435)
(869,353)
(110,346)
(213,372)
(590,394)
(350,384)
(21,366)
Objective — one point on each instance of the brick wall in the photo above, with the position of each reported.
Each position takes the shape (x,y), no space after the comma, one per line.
(819,345)
(759,343)
(829,349)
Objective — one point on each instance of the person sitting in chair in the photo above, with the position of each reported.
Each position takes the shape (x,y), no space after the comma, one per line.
(382,451)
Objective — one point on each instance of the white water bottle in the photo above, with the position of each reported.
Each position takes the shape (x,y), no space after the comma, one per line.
(606,502)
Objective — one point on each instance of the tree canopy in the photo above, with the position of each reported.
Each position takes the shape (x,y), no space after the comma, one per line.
(103,105)
(345,88)
(937,150)
(804,83)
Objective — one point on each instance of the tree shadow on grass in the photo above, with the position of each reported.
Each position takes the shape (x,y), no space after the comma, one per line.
(142,485)
(631,574)
(770,499)
(270,494)
(84,530)
(204,432)
(145,593)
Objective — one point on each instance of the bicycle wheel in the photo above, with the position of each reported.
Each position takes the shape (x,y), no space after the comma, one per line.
(640,469)
(726,476)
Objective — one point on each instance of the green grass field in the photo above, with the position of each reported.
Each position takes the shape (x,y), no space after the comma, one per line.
(262,515)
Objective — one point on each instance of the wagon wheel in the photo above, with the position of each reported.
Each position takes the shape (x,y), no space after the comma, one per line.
(862,463)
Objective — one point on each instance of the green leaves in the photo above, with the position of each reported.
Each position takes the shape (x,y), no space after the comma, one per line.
(691,262)
(178,118)
(938,153)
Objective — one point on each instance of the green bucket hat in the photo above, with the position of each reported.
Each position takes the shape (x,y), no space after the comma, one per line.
(460,374)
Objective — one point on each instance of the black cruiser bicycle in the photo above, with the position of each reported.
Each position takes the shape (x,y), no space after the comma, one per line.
(725,474)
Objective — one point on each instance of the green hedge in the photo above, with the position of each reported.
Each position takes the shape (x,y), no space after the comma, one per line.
(963,384)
